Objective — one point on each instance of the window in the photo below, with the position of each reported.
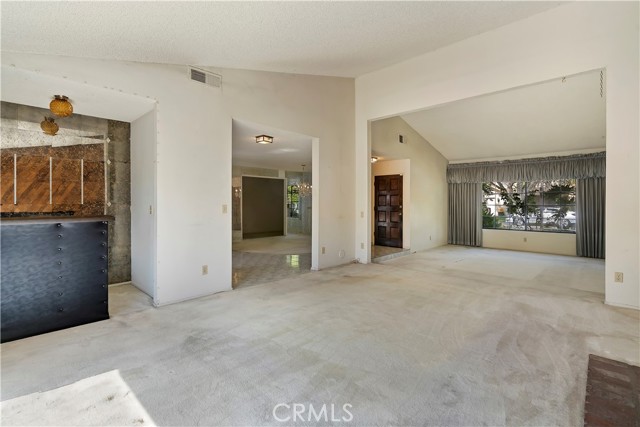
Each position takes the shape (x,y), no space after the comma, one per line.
(293,201)
(530,206)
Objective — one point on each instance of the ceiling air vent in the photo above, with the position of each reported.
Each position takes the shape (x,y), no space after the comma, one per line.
(205,77)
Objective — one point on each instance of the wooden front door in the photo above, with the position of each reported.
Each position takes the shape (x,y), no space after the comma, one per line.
(388,211)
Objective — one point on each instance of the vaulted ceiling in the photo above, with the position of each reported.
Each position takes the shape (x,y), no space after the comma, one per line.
(318,37)
(323,38)
(564,115)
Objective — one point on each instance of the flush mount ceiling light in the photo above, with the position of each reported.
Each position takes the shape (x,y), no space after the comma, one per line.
(264,139)
(60,106)
(49,126)
(374,159)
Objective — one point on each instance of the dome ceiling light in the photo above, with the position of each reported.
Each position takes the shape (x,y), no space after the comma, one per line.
(60,106)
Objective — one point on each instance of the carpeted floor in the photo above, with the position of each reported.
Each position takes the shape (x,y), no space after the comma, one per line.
(441,337)
(102,400)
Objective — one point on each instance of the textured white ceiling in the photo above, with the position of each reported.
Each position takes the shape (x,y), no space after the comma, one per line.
(324,38)
(545,118)
(289,151)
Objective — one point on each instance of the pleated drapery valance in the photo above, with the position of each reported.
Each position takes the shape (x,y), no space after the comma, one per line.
(525,170)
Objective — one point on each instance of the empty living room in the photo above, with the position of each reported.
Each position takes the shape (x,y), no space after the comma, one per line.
(293,213)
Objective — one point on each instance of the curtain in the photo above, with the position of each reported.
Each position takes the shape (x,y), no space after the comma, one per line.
(539,169)
(590,208)
(465,214)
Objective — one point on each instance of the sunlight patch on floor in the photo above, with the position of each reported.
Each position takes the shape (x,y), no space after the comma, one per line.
(101,400)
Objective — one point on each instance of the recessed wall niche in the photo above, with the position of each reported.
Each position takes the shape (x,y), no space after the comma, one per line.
(83,171)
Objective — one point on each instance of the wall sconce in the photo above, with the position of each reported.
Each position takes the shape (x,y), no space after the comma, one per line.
(264,139)
(49,126)
(374,159)
(60,106)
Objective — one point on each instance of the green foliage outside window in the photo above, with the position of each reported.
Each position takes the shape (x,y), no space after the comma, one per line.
(530,206)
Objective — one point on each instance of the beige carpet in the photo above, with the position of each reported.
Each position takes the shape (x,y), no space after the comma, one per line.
(447,337)
(102,400)
(280,245)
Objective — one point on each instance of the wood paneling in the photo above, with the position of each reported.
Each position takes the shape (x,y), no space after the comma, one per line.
(93,152)
(93,175)
(66,182)
(32,175)
(35,192)
(6,181)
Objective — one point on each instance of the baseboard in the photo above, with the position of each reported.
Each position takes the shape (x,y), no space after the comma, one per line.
(162,304)
(613,304)
(120,284)
(143,291)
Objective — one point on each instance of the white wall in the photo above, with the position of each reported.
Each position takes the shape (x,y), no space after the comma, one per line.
(321,107)
(428,184)
(566,40)
(546,243)
(143,203)
(193,154)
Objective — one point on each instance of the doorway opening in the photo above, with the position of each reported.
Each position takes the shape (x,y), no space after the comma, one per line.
(272,204)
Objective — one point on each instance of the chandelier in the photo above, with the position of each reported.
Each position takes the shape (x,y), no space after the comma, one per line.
(304,189)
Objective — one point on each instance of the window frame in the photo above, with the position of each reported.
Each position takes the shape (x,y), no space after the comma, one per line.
(527,208)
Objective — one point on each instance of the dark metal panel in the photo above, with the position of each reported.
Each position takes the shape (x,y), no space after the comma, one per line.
(54,276)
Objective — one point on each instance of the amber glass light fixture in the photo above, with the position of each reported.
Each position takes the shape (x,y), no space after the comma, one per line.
(49,126)
(264,139)
(60,106)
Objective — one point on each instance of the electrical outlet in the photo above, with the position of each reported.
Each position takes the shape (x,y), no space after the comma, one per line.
(618,277)
(361,214)
(205,270)
(341,253)
(429,236)
(361,245)
(323,250)
(224,209)
(524,239)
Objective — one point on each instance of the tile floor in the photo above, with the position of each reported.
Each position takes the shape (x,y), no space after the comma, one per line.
(380,251)
(268,259)
(256,268)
